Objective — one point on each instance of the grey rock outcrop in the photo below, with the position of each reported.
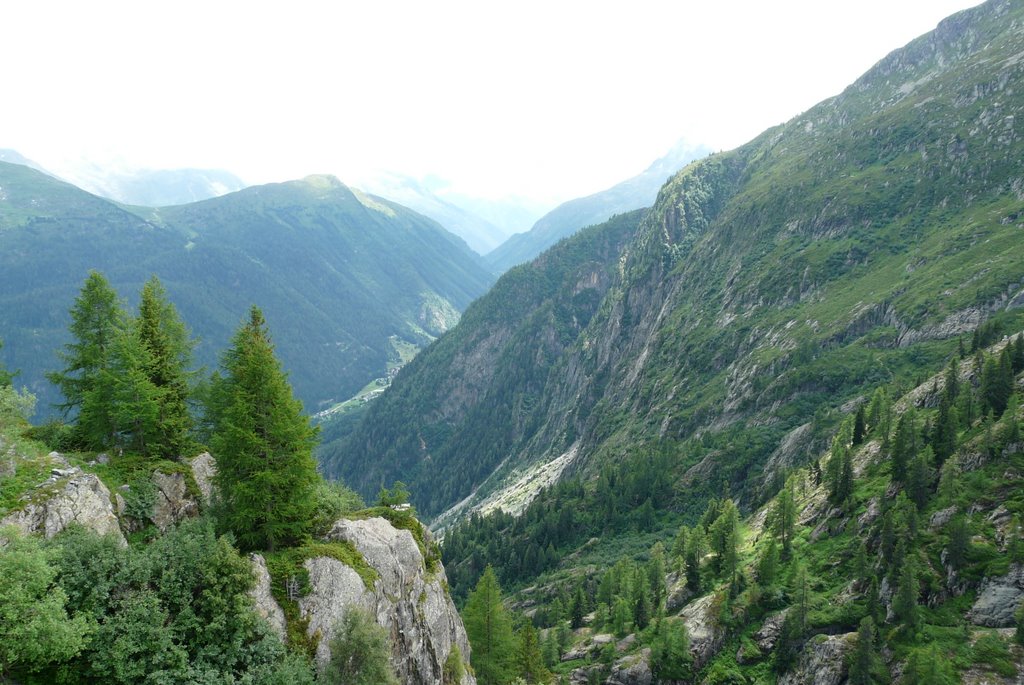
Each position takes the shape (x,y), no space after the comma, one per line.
(411,603)
(68,496)
(822,661)
(173,501)
(634,669)
(998,599)
(768,634)
(706,633)
(266,606)
(204,468)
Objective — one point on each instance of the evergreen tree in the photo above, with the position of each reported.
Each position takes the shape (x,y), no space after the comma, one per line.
(530,660)
(96,319)
(783,516)
(879,414)
(859,427)
(725,539)
(959,543)
(577,608)
(641,603)
(951,381)
(943,438)
(696,547)
(679,545)
(670,652)
(768,565)
(124,408)
(865,662)
(839,470)
(904,445)
(997,382)
(919,478)
(266,474)
(904,604)
(489,629)
(169,350)
(928,666)
(656,576)
(1012,431)
(622,617)
(949,480)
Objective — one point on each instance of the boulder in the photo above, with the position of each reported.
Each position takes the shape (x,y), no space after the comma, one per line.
(411,603)
(998,599)
(75,497)
(266,606)
(706,633)
(768,634)
(173,501)
(634,669)
(204,468)
(941,518)
(822,661)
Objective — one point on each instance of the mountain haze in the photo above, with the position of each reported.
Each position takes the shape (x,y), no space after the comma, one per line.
(337,273)
(768,286)
(569,217)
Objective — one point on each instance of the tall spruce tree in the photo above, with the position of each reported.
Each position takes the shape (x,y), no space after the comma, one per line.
(489,629)
(169,351)
(96,321)
(5,376)
(266,473)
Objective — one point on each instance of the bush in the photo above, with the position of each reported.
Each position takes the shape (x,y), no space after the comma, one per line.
(360,653)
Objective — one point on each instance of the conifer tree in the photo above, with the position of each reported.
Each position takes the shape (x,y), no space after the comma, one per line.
(696,547)
(997,382)
(865,662)
(1017,357)
(943,436)
(879,414)
(859,428)
(530,660)
(919,478)
(783,516)
(904,445)
(5,376)
(904,604)
(266,474)
(169,350)
(96,319)
(670,652)
(959,543)
(768,565)
(124,408)
(928,666)
(489,629)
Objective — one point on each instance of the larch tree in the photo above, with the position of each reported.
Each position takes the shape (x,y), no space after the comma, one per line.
(96,321)
(266,473)
(489,629)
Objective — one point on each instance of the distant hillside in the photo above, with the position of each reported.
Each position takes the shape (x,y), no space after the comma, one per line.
(767,288)
(569,217)
(336,272)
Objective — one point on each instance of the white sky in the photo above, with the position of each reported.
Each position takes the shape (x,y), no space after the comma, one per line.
(548,99)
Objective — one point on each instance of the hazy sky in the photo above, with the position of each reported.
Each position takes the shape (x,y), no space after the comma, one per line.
(545,99)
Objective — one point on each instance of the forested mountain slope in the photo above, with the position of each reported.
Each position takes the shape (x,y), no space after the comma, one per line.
(769,284)
(336,272)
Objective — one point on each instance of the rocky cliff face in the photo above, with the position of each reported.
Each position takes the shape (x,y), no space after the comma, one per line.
(409,601)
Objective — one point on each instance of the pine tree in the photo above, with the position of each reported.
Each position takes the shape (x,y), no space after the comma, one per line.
(919,478)
(577,608)
(656,576)
(840,465)
(943,436)
(123,408)
(768,565)
(783,516)
(1012,431)
(489,629)
(904,446)
(1018,354)
(725,533)
(859,428)
(670,652)
(641,603)
(96,319)
(959,543)
(879,414)
(904,604)
(167,343)
(865,661)
(997,382)
(928,666)
(696,547)
(266,474)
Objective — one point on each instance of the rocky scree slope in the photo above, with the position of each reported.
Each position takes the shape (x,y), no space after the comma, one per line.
(831,253)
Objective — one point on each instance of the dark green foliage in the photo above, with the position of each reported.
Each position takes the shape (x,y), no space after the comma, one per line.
(904,445)
(997,382)
(904,603)
(859,426)
(866,666)
(5,376)
(396,496)
(332,501)
(360,652)
(782,517)
(943,438)
(959,542)
(919,478)
(168,355)
(96,322)
(670,651)
(529,660)
(265,470)
(35,628)
(1017,358)
(454,669)
(489,629)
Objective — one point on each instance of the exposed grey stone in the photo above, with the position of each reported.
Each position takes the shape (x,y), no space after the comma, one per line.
(706,634)
(410,603)
(173,502)
(822,661)
(998,599)
(767,635)
(634,669)
(941,518)
(266,605)
(53,507)
(204,468)
(873,511)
